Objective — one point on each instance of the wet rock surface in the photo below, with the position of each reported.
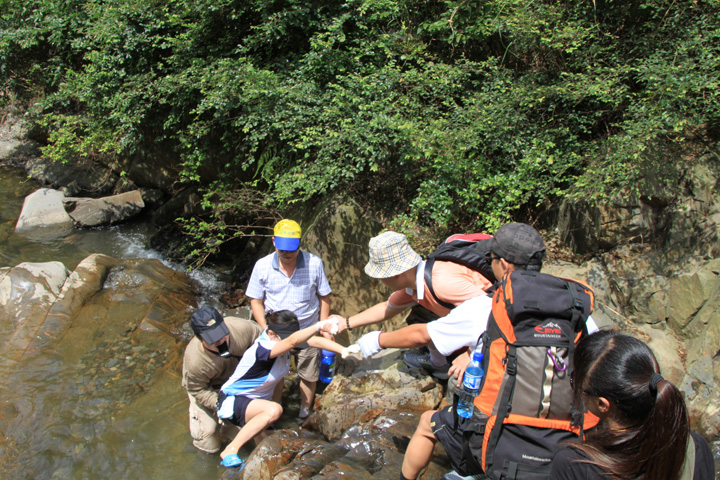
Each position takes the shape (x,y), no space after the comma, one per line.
(361,426)
(73,366)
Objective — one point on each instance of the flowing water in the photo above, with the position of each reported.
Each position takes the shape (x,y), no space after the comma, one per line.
(80,411)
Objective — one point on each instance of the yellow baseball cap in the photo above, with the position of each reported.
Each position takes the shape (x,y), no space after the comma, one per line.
(287,235)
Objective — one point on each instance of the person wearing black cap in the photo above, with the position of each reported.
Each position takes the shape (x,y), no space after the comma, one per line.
(515,246)
(246,398)
(210,359)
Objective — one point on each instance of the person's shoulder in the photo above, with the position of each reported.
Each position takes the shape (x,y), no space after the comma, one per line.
(192,348)
(441,267)
(243,324)
(567,454)
(480,301)
(265,260)
(195,356)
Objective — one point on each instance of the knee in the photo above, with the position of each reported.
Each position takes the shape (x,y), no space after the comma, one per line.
(204,432)
(275,412)
(425,424)
(426,418)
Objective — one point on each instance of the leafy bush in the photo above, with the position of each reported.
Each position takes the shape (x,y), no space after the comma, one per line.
(453,115)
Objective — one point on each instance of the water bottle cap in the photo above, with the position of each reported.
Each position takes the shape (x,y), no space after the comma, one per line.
(477,357)
(328,353)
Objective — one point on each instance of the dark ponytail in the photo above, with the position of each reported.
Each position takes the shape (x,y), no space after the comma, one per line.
(650,411)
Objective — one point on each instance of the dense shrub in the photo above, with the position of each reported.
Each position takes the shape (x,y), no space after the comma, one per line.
(450,115)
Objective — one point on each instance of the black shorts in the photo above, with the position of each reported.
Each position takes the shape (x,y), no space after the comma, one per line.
(239,407)
(442,424)
(450,436)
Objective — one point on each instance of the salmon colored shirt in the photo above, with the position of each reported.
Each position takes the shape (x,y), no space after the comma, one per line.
(452,283)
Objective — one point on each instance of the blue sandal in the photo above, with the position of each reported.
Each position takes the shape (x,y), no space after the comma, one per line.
(231,461)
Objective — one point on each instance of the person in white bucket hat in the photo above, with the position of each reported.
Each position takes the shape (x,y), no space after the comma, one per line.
(394,262)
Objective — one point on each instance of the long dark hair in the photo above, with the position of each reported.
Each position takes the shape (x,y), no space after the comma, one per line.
(650,411)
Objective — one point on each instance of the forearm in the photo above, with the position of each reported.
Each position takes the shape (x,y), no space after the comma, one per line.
(375,314)
(257,305)
(325,344)
(411,336)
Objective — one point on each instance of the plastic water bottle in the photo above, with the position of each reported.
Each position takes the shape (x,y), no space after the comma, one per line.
(471,386)
(327,366)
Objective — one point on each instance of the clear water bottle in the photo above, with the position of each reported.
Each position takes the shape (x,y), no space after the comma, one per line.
(327,366)
(471,386)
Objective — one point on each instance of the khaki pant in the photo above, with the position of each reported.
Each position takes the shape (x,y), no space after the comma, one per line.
(206,431)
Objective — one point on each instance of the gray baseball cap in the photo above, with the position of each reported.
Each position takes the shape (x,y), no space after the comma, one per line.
(518,243)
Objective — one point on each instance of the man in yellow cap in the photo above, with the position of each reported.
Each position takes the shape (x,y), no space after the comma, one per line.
(292,279)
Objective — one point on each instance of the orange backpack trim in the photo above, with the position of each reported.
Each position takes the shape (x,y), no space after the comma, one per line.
(493,386)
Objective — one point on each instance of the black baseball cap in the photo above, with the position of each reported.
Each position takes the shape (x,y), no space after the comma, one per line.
(518,243)
(208,324)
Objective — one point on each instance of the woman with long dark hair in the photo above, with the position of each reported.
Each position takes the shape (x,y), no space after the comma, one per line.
(644,430)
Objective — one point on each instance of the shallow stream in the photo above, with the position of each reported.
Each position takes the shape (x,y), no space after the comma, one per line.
(81,411)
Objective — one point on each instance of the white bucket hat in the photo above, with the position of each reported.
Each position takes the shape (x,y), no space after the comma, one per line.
(390,255)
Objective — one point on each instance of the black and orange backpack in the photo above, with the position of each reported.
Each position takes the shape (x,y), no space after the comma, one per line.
(526,401)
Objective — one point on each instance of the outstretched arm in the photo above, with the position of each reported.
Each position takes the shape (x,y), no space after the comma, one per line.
(325,344)
(412,336)
(375,314)
(408,337)
(298,338)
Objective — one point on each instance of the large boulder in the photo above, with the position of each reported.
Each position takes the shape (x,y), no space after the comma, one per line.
(28,289)
(380,384)
(44,208)
(81,177)
(681,219)
(93,212)
(338,232)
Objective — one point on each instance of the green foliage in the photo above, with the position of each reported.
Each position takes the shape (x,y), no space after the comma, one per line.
(449,115)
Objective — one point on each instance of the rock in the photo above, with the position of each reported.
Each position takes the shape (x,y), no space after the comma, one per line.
(15,146)
(289,454)
(686,295)
(89,212)
(43,208)
(30,288)
(372,390)
(364,421)
(81,177)
(152,197)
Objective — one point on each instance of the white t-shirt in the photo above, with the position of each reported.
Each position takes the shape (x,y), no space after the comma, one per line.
(470,318)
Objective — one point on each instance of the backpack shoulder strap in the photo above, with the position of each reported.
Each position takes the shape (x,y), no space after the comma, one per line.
(688,471)
(428,281)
